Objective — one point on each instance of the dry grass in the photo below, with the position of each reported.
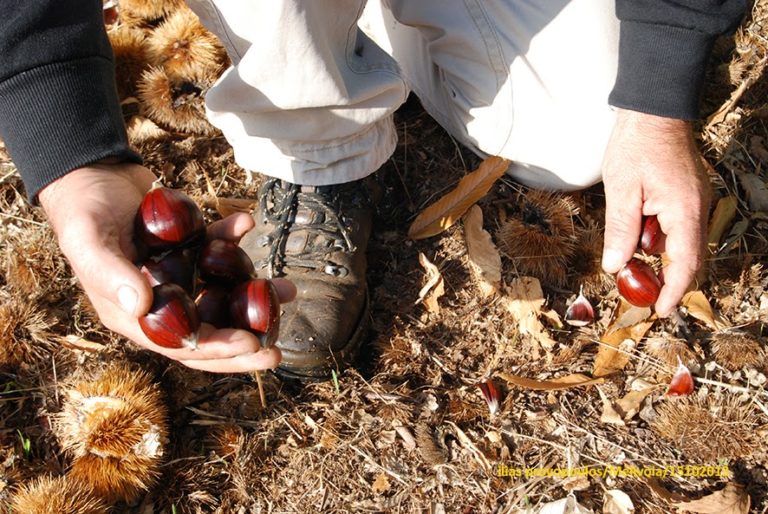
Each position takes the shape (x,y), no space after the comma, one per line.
(407,430)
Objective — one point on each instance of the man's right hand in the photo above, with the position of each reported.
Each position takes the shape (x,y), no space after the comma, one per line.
(92,210)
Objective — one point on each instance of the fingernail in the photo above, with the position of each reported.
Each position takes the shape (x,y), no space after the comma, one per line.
(612,260)
(127,297)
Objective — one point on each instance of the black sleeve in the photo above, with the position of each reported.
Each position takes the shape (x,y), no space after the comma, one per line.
(663,51)
(59,108)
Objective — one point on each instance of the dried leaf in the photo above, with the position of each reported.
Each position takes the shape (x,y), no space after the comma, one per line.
(616,501)
(732,499)
(610,356)
(757,192)
(443,213)
(721,219)
(381,484)
(630,404)
(556,384)
(609,414)
(698,306)
(524,300)
(79,343)
(434,288)
(483,254)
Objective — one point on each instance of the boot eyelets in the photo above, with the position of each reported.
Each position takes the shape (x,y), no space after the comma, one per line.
(336,271)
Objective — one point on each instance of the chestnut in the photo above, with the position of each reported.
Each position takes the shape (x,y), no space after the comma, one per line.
(255,306)
(652,237)
(172,321)
(213,305)
(580,313)
(168,219)
(638,283)
(176,266)
(225,262)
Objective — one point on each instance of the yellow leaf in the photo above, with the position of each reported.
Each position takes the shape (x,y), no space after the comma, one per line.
(483,255)
(610,357)
(444,212)
(721,219)
(556,384)
(434,288)
(381,484)
(698,306)
(524,300)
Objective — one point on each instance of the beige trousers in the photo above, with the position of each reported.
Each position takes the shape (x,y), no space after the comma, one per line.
(314,83)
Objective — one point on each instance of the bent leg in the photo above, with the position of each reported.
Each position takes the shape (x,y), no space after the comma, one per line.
(309,98)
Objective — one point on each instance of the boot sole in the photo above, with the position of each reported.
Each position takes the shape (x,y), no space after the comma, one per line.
(338,359)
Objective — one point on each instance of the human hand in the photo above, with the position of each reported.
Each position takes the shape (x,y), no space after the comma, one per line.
(652,166)
(92,211)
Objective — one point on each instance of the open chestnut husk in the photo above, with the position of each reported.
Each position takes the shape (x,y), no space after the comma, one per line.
(172,321)
(177,267)
(213,305)
(255,306)
(651,238)
(223,261)
(168,219)
(638,283)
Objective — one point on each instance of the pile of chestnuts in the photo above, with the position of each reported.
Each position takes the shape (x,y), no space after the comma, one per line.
(637,281)
(181,266)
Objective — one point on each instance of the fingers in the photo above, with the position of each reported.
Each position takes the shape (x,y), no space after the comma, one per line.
(231,228)
(106,272)
(623,214)
(261,360)
(684,254)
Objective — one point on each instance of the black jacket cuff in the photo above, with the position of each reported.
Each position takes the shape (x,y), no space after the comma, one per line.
(62,116)
(661,69)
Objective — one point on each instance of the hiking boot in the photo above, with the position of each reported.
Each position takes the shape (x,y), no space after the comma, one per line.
(316,237)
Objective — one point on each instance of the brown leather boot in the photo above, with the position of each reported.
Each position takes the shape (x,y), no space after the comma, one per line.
(317,238)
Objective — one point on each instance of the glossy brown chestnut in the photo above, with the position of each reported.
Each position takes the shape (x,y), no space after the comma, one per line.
(176,267)
(638,283)
(168,219)
(225,262)
(213,306)
(255,306)
(172,320)
(652,237)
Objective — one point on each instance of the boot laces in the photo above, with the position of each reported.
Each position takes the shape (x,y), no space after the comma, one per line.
(279,202)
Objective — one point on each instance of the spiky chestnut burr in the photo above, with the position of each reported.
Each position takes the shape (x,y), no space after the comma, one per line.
(172,321)
(114,426)
(185,49)
(255,307)
(57,495)
(539,235)
(175,103)
(168,219)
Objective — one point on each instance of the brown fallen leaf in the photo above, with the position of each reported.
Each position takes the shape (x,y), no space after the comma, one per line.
(484,257)
(629,405)
(616,501)
(524,300)
(609,414)
(698,306)
(444,212)
(434,288)
(757,191)
(555,384)
(732,499)
(721,219)
(610,356)
(78,343)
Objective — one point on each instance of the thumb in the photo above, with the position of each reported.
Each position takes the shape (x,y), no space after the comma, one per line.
(623,217)
(105,271)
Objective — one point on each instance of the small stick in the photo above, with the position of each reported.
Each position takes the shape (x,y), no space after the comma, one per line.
(262,396)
